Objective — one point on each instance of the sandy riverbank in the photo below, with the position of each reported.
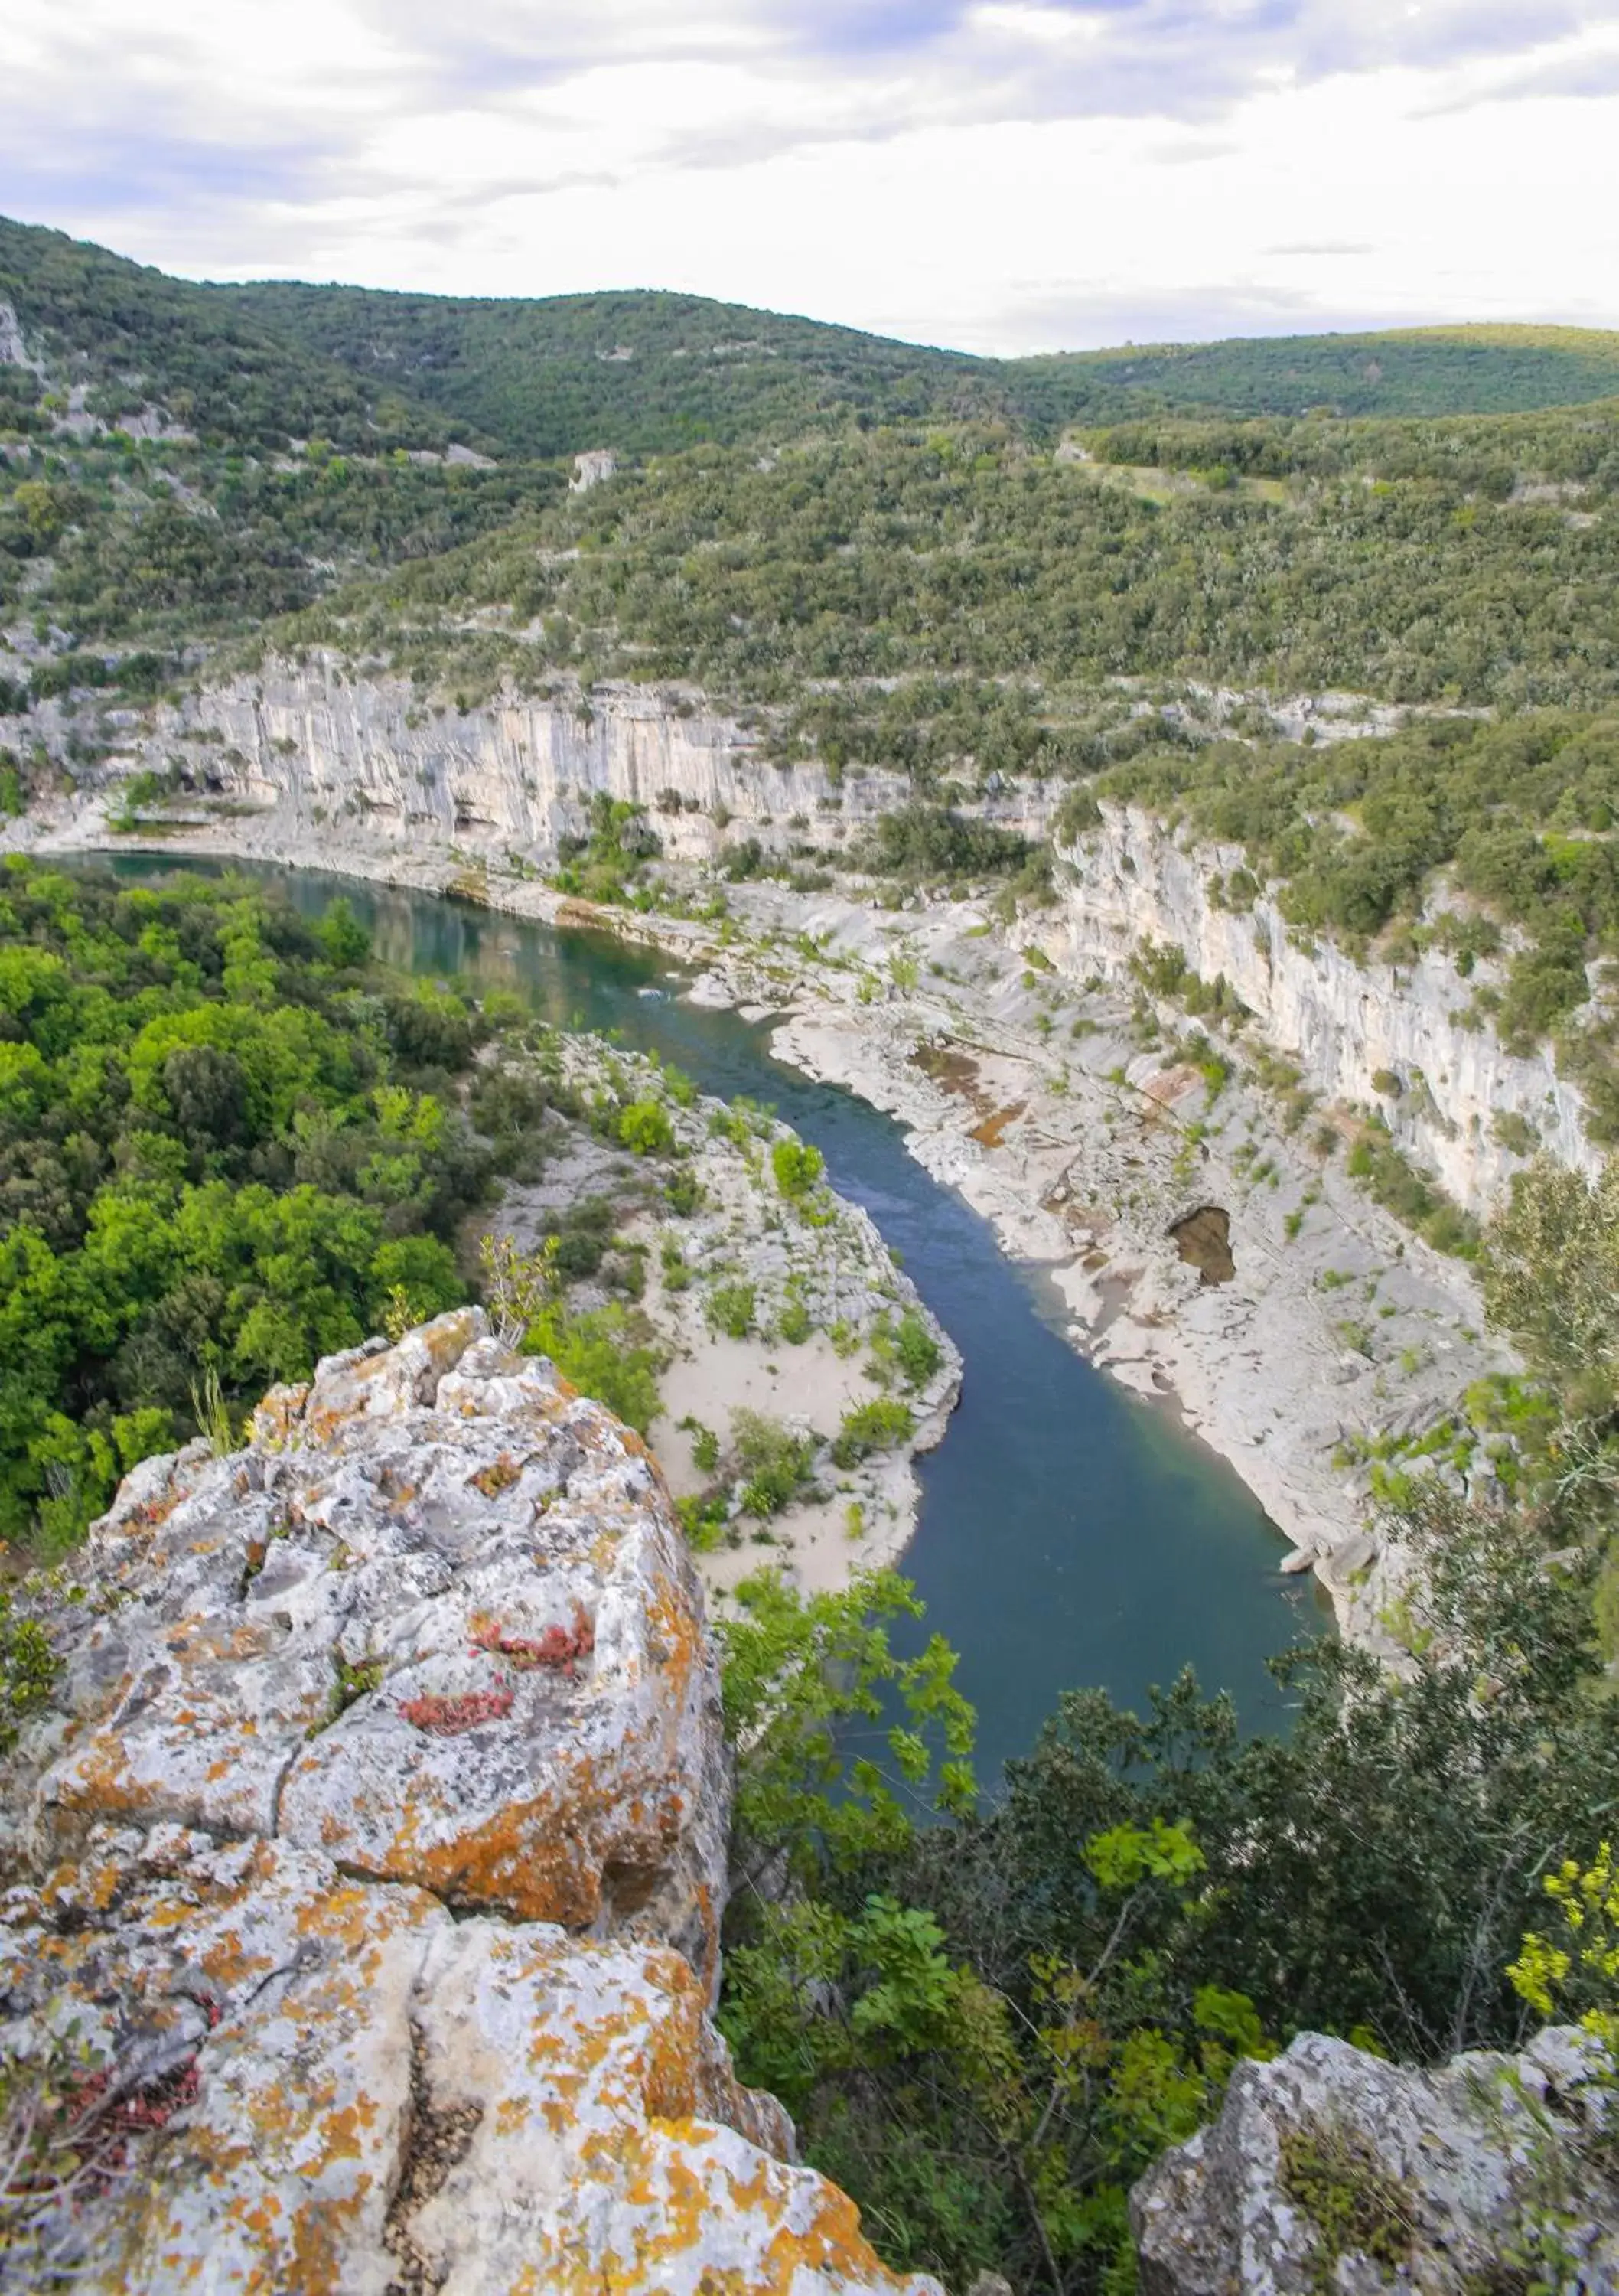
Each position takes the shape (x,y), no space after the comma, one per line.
(774,1318)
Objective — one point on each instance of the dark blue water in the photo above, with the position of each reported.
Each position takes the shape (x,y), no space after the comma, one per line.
(1069,1533)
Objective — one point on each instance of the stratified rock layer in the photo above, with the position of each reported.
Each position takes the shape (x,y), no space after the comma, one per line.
(376,1853)
(1330,2169)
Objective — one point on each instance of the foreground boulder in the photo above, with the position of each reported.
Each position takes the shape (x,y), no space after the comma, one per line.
(364,1880)
(1330,2169)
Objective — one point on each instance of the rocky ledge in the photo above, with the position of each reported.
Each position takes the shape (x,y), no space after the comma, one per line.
(365,1876)
(1331,2170)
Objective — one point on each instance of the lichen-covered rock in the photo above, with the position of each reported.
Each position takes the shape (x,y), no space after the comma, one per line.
(435,1621)
(1331,2169)
(332,2085)
(364,1884)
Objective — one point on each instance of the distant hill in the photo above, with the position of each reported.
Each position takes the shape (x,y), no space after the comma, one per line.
(183,465)
(641,372)
(649,372)
(1413,370)
(123,337)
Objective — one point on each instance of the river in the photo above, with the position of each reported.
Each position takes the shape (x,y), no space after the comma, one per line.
(1070,1534)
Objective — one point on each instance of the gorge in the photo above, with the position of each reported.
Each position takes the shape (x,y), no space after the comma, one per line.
(662,970)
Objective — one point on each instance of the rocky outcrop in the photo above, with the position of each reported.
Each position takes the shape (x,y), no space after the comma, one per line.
(1388,1036)
(1331,2169)
(378,764)
(366,1875)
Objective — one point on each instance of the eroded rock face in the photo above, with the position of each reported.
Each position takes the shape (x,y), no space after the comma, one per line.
(1348,1026)
(436,1622)
(1330,2169)
(360,760)
(1204,1240)
(375,1854)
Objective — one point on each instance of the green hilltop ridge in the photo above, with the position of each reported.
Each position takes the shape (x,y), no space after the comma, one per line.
(644,371)
(128,336)
(641,372)
(184,465)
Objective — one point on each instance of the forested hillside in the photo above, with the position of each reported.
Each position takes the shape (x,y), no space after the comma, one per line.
(1409,371)
(122,337)
(647,371)
(188,462)
(640,373)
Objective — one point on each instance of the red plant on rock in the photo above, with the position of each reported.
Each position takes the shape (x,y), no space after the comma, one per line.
(561,1647)
(447,1718)
(119,2112)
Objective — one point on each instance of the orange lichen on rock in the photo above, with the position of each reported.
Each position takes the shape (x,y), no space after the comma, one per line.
(309,1909)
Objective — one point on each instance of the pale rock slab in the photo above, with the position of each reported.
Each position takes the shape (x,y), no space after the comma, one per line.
(412,1528)
(1459,2155)
(342,2089)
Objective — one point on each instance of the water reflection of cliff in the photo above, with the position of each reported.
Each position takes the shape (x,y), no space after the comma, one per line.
(555,974)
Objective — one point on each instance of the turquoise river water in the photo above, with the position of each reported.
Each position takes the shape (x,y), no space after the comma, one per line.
(1069,1533)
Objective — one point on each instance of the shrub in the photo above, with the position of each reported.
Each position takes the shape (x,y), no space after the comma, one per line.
(908,1349)
(772,1461)
(704,1444)
(797,1167)
(728,1309)
(703,1516)
(682,1192)
(27,1669)
(645,1127)
(598,1353)
(875,1426)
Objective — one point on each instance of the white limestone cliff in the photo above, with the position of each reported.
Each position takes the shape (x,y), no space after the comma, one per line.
(371,761)
(1345,1024)
(311,751)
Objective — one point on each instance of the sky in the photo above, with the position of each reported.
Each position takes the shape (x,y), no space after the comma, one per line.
(1003,175)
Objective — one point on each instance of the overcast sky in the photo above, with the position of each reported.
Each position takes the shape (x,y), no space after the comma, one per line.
(1019,176)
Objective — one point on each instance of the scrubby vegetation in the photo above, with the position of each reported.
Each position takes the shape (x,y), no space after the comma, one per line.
(231,454)
(989,2023)
(993,589)
(231,1143)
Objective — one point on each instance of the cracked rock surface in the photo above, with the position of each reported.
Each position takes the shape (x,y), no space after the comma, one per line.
(373,1856)
(1331,2169)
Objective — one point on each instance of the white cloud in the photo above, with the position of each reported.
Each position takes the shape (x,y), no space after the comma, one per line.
(1012,174)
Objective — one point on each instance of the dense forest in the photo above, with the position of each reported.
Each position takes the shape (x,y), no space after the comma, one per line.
(185,462)
(227,1144)
(649,372)
(922,557)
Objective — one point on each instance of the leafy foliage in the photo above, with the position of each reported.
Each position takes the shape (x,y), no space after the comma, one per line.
(222,1154)
(27,1669)
(992,589)
(989,2025)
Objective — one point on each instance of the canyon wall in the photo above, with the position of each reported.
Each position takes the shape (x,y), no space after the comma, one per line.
(312,756)
(1350,1028)
(370,759)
